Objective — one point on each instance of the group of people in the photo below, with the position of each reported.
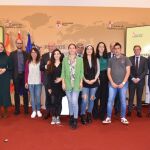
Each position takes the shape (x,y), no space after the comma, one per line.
(92,79)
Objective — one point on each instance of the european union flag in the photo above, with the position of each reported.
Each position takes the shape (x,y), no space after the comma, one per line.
(29,44)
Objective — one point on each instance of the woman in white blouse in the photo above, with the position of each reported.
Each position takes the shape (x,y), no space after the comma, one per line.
(33,80)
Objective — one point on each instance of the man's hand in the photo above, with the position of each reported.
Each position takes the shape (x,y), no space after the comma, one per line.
(114,85)
(120,86)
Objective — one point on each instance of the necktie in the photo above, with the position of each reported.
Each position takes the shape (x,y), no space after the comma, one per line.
(136,64)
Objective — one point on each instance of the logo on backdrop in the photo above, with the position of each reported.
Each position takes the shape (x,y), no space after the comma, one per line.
(136,35)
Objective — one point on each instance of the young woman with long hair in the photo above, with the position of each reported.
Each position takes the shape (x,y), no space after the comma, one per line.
(90,83)
(55,85)
(72,76)
(33,81)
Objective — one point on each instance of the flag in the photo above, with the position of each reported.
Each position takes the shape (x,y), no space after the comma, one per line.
(8,50)
(29,44)
(19,36)
(7,44)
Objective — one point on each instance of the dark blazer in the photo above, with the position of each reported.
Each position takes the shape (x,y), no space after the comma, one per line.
(149,72)
(44,60)
(109,54)
(142,70)
(14,60)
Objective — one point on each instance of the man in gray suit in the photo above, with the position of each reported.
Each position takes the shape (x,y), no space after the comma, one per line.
(137,79)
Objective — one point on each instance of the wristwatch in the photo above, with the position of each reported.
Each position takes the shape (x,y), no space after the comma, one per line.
(123,83)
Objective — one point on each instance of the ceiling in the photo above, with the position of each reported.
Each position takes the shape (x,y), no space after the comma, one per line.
(105,3)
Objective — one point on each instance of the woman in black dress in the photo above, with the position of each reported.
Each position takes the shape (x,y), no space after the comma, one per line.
(55,85)
(5,68)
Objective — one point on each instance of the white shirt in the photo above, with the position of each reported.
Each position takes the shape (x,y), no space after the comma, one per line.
(50,54)
(34,76)
(112,54)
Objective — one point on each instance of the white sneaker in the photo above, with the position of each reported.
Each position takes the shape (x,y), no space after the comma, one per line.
(53,120)
(39,114)
(124,121)
(33,115)
(106,121)
(58,120)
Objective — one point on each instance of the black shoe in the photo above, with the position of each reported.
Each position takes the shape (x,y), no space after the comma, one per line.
(26,112)
(16,113)
(102,117)
(75,122)
(5,115)
(83,121)
(71,120)
(46,115)
(129,114)
(139,114)
(95,117)
(89,117)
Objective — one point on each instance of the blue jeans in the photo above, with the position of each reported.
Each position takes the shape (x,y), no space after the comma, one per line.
(72,97)
(35,93)
(88,97)
(112,94)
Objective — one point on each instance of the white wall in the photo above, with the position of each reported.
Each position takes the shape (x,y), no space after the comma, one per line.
(106,3)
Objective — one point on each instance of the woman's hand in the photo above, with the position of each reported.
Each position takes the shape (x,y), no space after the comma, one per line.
(2,70)
(58,80)
(81,85)
(49,91)
(26,86)
(92,81)
(87,81)
(63,86)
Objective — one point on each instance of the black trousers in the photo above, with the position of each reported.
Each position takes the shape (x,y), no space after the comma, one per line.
(47,99)
(55,104)
(19,86)
(139,91)
(79,102)
(102,96)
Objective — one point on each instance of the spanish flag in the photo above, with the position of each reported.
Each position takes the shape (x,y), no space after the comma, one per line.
(7,44)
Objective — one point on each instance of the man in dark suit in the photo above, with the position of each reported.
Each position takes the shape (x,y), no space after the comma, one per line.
(18,58)
(43,67)
(117,104)
(137,79)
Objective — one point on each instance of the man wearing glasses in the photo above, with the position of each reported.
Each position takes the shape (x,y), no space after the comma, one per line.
(19,57)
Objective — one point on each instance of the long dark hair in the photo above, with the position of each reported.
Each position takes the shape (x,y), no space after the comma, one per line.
(3,47)
(38,55)
(105,50)
(93,59)
(51,64)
